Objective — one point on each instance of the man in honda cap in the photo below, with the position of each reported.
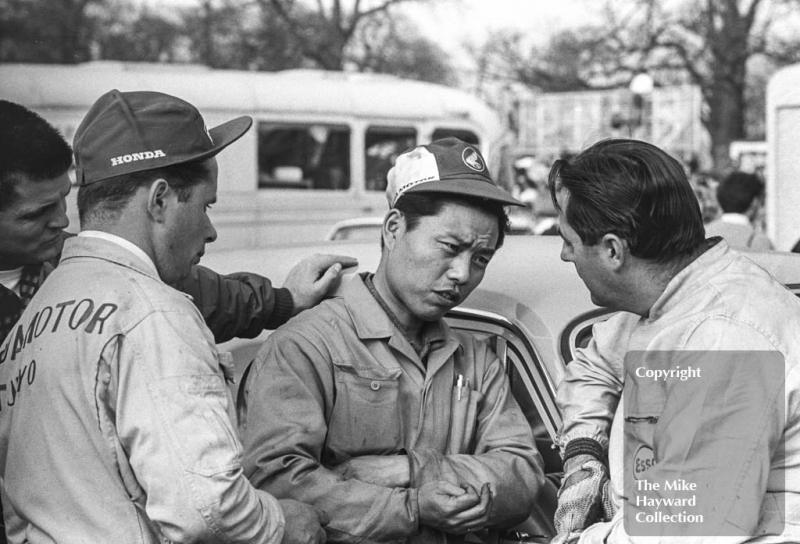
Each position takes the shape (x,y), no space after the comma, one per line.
(115,417)
(370,407)
(34,183)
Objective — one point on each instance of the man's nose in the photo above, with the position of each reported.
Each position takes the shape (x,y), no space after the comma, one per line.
(566,256)
(59,219)
(211,232)
(460,268)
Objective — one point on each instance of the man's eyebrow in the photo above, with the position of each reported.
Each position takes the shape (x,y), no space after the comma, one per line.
(30,212)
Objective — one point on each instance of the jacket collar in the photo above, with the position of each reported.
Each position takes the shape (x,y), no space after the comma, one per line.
(105,250)
(693,277)
(371,322)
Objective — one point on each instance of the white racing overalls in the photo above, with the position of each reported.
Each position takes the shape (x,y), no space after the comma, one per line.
(739,428)
(115,418)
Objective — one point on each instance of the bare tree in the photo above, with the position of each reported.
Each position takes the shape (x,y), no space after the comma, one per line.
(324,32)
(714,43)
(710,43)
(58,31)
(128,32)
(391,44)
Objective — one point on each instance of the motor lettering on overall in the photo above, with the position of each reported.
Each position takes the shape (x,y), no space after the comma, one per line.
(85,315)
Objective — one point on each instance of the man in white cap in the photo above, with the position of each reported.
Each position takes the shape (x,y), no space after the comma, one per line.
(115,417)
(370,407)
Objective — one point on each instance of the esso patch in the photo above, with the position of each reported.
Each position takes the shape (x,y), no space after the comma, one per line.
(472,159)
(643,459)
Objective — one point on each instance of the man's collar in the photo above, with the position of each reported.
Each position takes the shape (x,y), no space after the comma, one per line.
(130,246)
(100,248)
(370,319)
(710,263)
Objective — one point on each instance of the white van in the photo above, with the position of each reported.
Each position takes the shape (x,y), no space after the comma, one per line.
(321,144)
(783,158)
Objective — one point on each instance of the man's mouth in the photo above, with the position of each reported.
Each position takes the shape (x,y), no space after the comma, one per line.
(451,296)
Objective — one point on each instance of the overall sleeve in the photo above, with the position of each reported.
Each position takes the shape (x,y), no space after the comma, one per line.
(592,385)
(174,425)
(719,432)
(504,454)
(239,305)
(283,425)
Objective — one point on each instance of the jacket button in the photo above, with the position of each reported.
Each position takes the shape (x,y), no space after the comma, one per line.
(375,385)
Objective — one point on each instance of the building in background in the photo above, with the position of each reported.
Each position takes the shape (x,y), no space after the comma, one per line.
(554,124)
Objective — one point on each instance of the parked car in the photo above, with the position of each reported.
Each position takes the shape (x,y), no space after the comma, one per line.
(369,228)
(357,229)
(532,307)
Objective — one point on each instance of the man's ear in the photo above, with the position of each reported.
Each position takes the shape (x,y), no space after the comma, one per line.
(393,224)
(614,251)
(158,198)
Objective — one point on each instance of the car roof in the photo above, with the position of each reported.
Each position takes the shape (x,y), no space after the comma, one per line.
(370,222)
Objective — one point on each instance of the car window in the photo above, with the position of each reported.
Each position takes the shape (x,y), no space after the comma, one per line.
(578,333)
(358,232)
(294,156)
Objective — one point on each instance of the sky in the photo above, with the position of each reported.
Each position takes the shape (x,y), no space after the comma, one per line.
(453,22)
(456,20)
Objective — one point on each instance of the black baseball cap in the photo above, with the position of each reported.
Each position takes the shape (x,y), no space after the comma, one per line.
(127,132)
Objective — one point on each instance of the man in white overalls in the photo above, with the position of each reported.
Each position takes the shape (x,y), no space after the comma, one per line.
(688,397)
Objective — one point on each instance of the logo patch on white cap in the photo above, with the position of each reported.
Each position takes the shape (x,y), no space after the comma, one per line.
(412,168)
(472,159)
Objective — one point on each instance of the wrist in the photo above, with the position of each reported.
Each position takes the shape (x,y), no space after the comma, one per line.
(584,446)
(282,309)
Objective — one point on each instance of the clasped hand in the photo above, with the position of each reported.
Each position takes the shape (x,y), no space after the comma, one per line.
(454,509)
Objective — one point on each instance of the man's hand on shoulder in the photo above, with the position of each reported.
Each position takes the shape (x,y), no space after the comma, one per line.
(384,470)
(454,509)
(304,523)
(311,278)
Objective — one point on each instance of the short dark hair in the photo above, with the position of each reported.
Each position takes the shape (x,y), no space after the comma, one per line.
(110,196)
(632,189)
(415,206)
(29,146)
(736,192)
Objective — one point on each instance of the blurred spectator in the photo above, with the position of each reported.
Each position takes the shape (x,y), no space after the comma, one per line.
(531,181)
(741,197)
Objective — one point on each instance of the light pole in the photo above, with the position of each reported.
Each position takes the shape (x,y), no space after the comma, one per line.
(641,86)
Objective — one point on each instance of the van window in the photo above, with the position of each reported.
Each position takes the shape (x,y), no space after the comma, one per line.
(381,148)
(303,156)
(463,135)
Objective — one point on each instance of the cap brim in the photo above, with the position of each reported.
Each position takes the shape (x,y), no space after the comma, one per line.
(222,136)
(466,187)
(227,133)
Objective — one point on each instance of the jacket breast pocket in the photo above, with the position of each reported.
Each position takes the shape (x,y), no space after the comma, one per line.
(366,413)
(644,402)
